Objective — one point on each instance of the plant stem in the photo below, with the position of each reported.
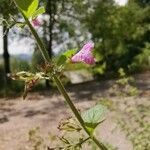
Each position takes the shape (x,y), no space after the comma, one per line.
(63,91)
(75,111)
(36,36)
(59,84)
(80,143)
(39,41)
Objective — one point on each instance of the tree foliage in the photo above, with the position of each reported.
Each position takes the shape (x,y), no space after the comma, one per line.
(121,32)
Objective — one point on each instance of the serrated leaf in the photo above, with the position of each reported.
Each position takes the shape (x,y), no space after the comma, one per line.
(94,116)
(28,7)
(39,11)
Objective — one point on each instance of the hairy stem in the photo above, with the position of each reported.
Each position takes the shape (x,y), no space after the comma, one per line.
(75,111)
(41,46)
(59,84)
(36,36)
(63,91)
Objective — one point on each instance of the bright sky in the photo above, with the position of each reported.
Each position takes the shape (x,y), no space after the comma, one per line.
(16,47)
(23,46)
(121,2)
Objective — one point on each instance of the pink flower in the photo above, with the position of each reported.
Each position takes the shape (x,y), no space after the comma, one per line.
(85,54)
(36,22)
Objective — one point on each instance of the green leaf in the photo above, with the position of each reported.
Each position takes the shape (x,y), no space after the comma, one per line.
(94,116)
(28,7)
(39,11)
(66,56)
(61,60)
(20,24)
(70,53)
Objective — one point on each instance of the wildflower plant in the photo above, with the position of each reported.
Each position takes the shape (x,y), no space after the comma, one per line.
(86,121)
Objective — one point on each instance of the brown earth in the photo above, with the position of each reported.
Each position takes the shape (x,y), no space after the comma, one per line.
(46,109)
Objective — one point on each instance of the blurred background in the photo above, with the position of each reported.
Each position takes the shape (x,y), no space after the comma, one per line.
(120,79)
(120,30)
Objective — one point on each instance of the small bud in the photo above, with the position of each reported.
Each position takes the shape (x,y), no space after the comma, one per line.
(36,22)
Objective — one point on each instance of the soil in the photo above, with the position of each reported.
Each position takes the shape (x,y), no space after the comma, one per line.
(46,109)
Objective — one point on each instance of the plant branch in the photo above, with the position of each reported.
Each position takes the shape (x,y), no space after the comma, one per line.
(38,40)
(59,84)
(75,111)
(77,144)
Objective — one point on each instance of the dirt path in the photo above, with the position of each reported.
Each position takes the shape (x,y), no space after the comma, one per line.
(45,110)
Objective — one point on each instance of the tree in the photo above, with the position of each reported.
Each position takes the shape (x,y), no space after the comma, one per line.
(142,3)
(51,10)
(120,31)
(64,21)
(6,7)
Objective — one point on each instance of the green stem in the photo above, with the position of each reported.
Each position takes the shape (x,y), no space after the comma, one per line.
(59,83)
(80,143)
(36,36)
(39,41)
(75,111)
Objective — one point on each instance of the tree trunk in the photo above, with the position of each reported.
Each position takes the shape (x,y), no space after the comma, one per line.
(51,10)
(6,56)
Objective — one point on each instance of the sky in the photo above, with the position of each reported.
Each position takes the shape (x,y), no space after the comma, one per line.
(23,46)
(121,2)
(16,46)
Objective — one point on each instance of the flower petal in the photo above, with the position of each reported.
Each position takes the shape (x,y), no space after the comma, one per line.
(36,22)
(88,46)
(88,59)
(85,54)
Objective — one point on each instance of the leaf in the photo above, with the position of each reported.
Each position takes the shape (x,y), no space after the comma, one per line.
(39,11)
(94,116)
(65,56)
(64,140)
(70,53)
(20,24)
(69,125)
(23,76)
(61,60)
(28,7)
